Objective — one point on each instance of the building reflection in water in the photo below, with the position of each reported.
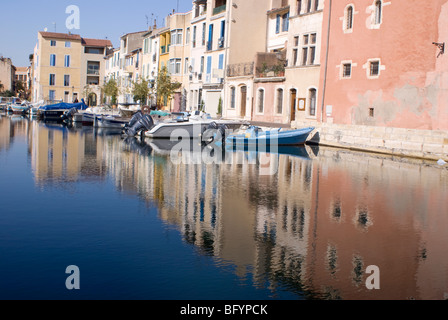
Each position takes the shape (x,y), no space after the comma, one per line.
(311,227)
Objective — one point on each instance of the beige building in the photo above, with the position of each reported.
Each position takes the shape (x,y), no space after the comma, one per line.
(7,72)
(179,57)
(245,38)
(68,67)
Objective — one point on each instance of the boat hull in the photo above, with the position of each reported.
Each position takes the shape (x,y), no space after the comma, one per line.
(110,122)
(186,130)
(285,138)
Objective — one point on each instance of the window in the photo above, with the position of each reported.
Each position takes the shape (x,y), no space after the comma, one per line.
(68,44)
(312,100)
(187,36)
(202,65)
(93,68)
(279,101)
(53,43)
(177,37)
(308,7)
(349,18)
(66,80)
(210,38)
(209,68)
(175,66)
(221,62)
(145,46)
(277,25)
(67,61)
(374,68)
(295,51)
(309,49)
(260,108)
(316,5)
(203,33)
(232,97)
(52,79)
(346,70)
(299,6)
(194,36)
(52,95)
(222,35)
(186,71)
(94,50)
(52,60)
(378,12)
(285,22)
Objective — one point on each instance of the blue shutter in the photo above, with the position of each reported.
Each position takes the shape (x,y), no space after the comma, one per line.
(221,62)
(223,28)
(209,65)
(210,37)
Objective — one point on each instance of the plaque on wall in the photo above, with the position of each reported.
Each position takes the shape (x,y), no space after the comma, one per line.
(302,104)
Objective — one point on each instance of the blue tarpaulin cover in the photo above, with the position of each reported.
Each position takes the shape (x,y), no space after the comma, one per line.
(63,106)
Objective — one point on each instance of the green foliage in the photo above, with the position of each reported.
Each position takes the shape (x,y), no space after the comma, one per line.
(110,89)
(165,88)
(7,93)
(220,106)
(140,90)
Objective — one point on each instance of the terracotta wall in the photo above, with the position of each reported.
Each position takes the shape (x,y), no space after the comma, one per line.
(411,89)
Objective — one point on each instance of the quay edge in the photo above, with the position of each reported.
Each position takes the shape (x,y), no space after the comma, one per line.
(414,143)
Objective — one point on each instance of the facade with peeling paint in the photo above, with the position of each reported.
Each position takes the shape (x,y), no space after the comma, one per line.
(383,64)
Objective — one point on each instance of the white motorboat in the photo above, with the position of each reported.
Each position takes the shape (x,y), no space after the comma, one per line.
(180,125)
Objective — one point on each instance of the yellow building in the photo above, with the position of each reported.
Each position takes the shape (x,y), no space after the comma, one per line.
(164,58)
(66,66)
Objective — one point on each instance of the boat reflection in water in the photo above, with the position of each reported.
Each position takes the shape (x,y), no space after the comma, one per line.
(308,221)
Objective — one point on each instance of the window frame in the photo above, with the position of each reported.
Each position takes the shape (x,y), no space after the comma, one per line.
(52,80)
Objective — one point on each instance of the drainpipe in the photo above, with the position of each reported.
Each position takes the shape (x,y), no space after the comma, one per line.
(326,64)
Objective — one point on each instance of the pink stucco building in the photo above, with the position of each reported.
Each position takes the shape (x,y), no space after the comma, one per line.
(383,64)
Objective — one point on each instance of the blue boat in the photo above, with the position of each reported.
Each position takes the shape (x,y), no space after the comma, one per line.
(56,112)
(254,136)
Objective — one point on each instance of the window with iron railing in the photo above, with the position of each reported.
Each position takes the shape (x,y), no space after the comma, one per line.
(93,68)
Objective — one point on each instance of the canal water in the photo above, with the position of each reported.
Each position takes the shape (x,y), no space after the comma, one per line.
(141,221)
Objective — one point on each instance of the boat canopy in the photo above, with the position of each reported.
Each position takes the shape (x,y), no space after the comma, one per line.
(65,106)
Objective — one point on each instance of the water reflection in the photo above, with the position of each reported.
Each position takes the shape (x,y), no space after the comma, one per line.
(311,227)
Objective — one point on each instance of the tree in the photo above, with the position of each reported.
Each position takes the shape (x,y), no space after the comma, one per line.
(140,90)
(165,88)
(220,106)
(1,86)
(20,88)
(110,89)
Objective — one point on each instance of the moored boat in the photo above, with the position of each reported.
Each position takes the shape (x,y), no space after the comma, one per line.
(57,112)
(255,136)
(180,125)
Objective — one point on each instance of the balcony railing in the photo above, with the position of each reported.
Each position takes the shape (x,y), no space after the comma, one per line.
(219,9)
(93,72)
(240,69)
(165,49)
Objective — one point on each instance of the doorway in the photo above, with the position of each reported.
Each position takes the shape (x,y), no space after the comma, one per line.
(243,101)
(293,94)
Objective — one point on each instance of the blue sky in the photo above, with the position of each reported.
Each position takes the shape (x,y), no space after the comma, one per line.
(21,21)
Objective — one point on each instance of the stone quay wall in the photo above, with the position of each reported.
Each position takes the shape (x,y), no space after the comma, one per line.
(425,144)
